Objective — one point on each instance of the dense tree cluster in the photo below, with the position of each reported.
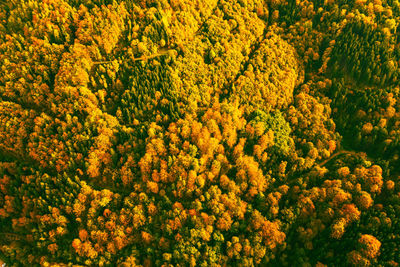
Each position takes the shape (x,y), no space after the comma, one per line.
(199,133)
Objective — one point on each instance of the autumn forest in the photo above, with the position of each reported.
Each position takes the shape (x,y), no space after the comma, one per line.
(200,133)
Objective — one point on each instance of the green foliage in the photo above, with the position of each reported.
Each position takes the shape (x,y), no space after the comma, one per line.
(275,122)
(365,52)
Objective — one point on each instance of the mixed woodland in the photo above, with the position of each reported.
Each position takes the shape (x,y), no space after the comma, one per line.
(200,133)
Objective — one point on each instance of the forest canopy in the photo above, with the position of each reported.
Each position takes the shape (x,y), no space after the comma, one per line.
(200,133)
